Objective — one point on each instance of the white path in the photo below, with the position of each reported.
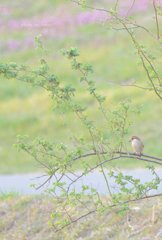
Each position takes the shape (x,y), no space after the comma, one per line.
(22,183)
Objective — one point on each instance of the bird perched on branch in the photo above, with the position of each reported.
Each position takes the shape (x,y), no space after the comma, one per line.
(137,145)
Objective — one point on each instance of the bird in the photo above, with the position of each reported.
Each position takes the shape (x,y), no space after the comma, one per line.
(137,145)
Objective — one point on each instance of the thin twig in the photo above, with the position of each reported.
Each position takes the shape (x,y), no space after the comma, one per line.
(131,7)
(156,19)
(116,5)
(144,155)
(141,87)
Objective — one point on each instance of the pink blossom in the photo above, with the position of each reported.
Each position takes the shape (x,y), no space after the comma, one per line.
(13,44)
(91,17)
(5,10)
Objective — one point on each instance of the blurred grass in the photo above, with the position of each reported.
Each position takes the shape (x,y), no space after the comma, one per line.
(28,110)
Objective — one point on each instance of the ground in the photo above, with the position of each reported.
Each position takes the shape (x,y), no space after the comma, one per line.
(27,218)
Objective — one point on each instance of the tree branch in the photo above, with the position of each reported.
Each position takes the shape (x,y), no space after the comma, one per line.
(111,206)
(156,19)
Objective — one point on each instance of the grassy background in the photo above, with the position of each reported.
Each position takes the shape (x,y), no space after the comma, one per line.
(28,110)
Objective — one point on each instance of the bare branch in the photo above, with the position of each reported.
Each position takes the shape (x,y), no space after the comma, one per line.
(116,152)
(141,87)
(121,155)
(76,220)
(89,154)
(144,155)
(111,206)
(141,53)
(44,183)
(143,56)
(156,19)
(131,7)
(90,7)
(116,5)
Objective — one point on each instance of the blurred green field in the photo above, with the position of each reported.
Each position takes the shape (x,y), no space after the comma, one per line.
(28,110)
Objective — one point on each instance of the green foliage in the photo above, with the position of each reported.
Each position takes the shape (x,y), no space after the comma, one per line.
(106,139)
(59,159)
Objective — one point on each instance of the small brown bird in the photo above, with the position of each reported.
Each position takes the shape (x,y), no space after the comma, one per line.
(137,145)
